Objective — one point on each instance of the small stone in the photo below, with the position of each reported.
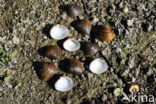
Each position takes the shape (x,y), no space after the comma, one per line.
(93,101)
(104,97)
(1,94)
(120,4)
(69,101)
(95,20)
(9,86)
(130,22)
(149,27)
(111,9)
(118,50)
(81,17)
(133,79)
(141,7)
(125,10)
(127,32)
(64,16)
(45,37)
(15,40)
(131,63)
(1,89)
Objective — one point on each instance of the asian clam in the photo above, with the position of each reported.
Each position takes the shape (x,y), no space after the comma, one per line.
(89,49)
(59,32)
(71,45)
(73,10)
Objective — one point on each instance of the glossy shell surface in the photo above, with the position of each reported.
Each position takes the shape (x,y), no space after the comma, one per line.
(47,71)
(75,67)
(71,44)
(84,26)
(53,52)
(105,34)
(59,32)
(64,84)
(73,10)
(89,49)
(98,66)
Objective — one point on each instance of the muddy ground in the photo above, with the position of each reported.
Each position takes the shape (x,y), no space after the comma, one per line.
(131,56)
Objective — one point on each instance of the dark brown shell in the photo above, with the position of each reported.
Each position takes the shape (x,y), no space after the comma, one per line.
(105,34)
(89,49)
(84,26)
(47,71)
(73,10)
(53,52)
(75,67)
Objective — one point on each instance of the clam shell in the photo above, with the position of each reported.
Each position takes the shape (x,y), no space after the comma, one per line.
(84,26)
(73,10)
(47,71)
(71,44)
(59,32)
(76,67)
(106,37)
(64,84)
(89,49)
(52,51)
(105,34)
(98,66)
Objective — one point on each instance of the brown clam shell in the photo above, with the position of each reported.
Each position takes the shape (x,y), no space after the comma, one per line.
(84,26)
(89,49)
(73,10)
(105,34)
(53,52)
(47,71)
(75,67)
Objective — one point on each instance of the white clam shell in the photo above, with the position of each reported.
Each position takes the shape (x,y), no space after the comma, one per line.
(59,32)
(98,66)
(64,84)
(71,44)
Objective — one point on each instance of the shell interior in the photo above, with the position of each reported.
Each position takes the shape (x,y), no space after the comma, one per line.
(59,32)
(63,84)
(71,45)
(98,66)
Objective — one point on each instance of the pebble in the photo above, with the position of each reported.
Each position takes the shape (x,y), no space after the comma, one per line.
(1,39)
(149,27)
(45,37)
(95,20)
(1,89)
(112,10)
(120,5)
(130,22)
(93,101)
(16,40)
(131,63)
(81,17)
(141,7)
(69,101)
(9,85)
(104,97)
(125,10)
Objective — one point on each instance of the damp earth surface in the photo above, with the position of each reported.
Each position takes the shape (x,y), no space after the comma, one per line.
(131,56)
